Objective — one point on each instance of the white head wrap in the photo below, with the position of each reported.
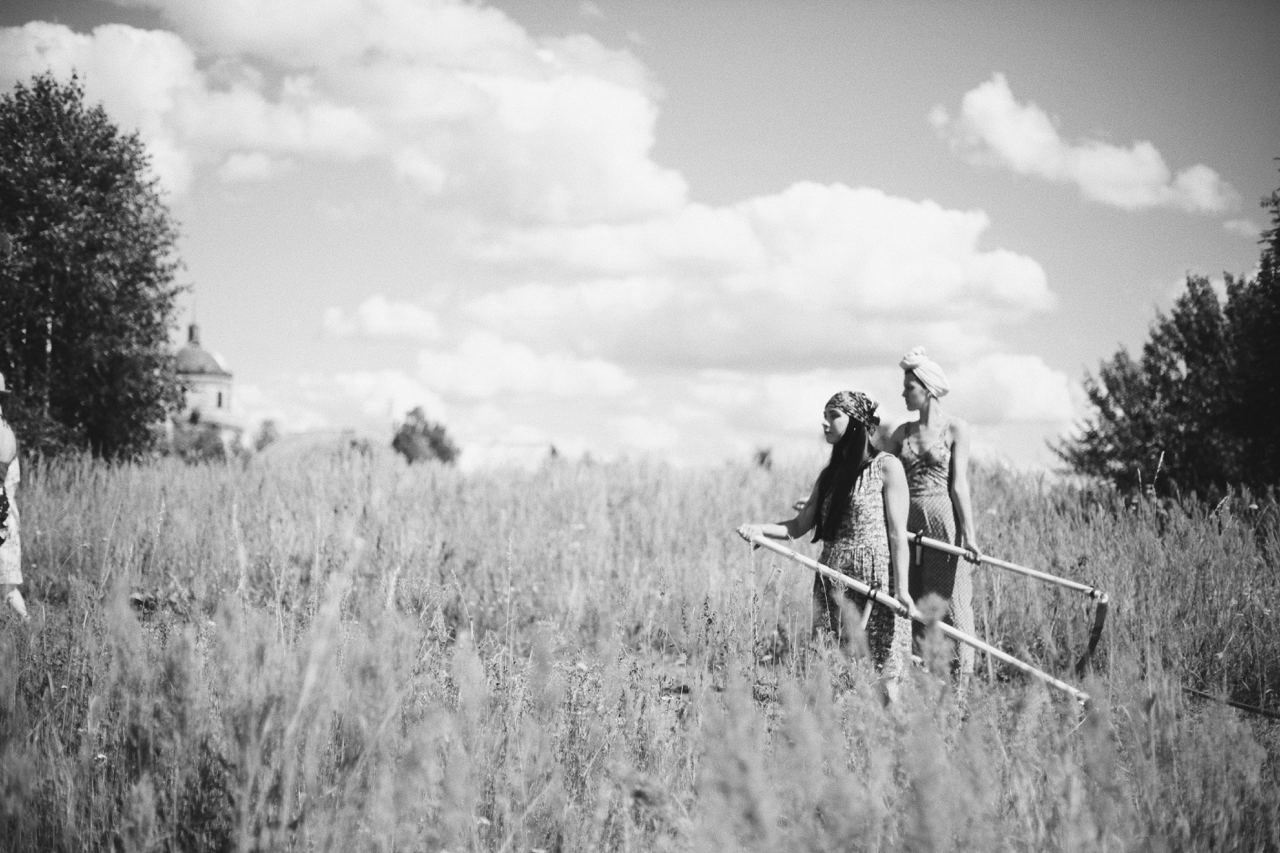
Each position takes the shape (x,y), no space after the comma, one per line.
(927,371)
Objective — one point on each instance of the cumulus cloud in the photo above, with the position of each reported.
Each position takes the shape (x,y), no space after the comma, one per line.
(609,310)
(151,81)
(378,317)
(388,394)
(993,127)
(1011,399)
(484,366)
(647,433)
(1011,388)
(994,388)
(256,403)
(311,401)
(787,403)
(455,99)
(816,273)
(312,33)
(253,167)
(1243,228)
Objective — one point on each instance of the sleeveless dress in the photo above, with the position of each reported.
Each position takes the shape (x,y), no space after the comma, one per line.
(928,478)
(11,550)
(861,551)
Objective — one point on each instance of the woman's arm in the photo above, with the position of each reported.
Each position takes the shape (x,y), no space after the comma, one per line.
(8,444)
(8,452)
(959,483)
(792,529)
(894,444)
(897,499)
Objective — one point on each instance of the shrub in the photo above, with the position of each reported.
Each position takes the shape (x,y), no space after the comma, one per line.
(418,440)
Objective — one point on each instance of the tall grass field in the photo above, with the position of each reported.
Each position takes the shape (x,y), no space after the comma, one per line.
(336,651)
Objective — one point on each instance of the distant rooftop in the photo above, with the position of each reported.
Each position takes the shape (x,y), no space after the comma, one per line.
(194,359)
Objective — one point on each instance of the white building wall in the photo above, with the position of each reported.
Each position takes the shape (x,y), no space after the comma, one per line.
(209,394)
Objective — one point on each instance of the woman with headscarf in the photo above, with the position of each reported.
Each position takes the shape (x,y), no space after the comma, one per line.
(934,450)
(858,508)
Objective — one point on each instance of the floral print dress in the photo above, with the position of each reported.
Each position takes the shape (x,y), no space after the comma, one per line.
(860,550)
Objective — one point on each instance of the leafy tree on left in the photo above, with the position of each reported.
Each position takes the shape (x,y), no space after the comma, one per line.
(87,266)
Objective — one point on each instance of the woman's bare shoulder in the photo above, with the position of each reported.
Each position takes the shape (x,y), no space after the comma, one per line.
(891,465)
(898,436)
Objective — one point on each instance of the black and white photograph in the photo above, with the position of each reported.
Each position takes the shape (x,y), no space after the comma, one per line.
(666,425)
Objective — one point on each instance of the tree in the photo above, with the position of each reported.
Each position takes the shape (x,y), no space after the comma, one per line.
(87,265)
(1253,311)
(1159,418)
(418,439)
(1195,411)
(268,434)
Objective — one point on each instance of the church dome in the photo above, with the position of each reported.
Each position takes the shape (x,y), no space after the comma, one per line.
(194,359)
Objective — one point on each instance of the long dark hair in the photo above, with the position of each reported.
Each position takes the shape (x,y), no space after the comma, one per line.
(850,456)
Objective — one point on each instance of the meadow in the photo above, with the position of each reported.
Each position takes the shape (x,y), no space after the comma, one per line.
(336,651)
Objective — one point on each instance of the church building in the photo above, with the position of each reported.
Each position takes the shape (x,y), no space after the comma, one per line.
(207,386)
(205,382)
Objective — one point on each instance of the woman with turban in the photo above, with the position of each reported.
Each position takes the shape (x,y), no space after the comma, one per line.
(858,508)
(935,454)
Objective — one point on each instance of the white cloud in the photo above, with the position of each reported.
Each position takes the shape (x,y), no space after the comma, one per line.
(779,403)
(256,403)
(378,317)
(388,394)
(311,33)
(455,99)
(589,139)
(693,237)
(252,167)
(1002,388)
(992,127)
(627,317)
(484,366)
(812,275)
(503,417)
(647,434)
(151,81)
(420,170)
(857,248)
(307,402)
(301,121)
(1243,227)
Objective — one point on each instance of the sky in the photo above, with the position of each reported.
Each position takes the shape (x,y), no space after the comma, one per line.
(675,228)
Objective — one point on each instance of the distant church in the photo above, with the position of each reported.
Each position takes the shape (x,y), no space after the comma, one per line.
(206,387)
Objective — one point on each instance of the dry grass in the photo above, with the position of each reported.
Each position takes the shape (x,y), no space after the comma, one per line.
(339,652)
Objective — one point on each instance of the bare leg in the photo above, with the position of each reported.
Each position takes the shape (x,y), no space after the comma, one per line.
(962,614)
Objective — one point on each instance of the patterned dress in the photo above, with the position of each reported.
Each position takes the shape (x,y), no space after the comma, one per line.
(861,551)
(928,478)
(11,550)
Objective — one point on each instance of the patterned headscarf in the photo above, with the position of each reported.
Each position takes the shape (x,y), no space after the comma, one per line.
(927,371)
(856,405)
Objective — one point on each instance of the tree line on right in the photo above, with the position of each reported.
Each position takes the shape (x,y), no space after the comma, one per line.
(1195,412)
